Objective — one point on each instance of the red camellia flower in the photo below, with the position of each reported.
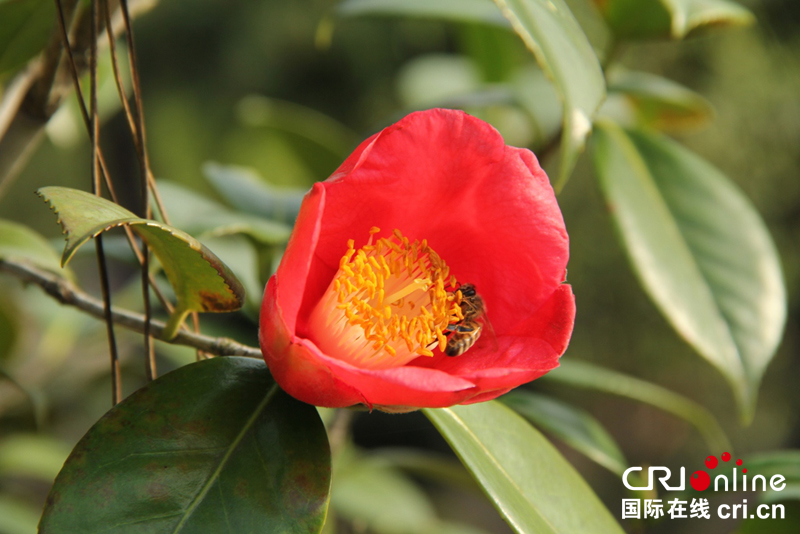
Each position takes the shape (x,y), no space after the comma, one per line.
(374,282)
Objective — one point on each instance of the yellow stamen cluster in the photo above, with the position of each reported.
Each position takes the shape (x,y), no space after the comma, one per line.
(390,302)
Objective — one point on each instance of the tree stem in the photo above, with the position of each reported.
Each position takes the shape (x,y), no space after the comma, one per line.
(69,294)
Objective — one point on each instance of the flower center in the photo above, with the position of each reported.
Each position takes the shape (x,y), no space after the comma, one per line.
(390,302)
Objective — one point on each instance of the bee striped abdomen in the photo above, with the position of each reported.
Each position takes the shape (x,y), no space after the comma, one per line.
(464,335)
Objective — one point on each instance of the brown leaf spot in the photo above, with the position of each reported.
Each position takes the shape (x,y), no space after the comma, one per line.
(213,301)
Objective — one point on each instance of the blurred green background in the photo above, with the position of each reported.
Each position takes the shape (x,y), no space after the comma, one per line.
(288,89)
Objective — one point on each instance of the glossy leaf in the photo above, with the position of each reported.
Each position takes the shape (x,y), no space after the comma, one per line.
(244,189)
(585,375)
(461,10)
(19,242)
(700,250)
(530,483)
(551,32)
(201,216)
(670,18)
(575,427)
(200,280)
(24,31)
(214,446)
(639,99)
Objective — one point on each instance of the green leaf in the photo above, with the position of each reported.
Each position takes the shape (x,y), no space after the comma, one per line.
(432,466)
(381,498)
(689,15)
(436,79)
(25,29)
(530,483)
(31,455)
(17,517)
(460,10)
(301,121)
(573,426)
(585,375)
(244,189)
(19,242)
(550,31)
(538,97)
(241,255)
(214,446)
(638,99)
(785,463)
(635,19)
(202,216)
(700,250)
(200,280)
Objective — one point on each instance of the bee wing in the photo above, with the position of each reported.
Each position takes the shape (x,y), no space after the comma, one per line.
(488,326)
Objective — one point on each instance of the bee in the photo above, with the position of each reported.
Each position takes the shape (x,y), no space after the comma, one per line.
(466,332)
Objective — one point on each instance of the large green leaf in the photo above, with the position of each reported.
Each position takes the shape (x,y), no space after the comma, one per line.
(551,32)
(701,251)
(461,10)
(589,376)
(575,427)
(639,99)
(530,483)
(631,19)
(25,28)
(214,446)
(202,282)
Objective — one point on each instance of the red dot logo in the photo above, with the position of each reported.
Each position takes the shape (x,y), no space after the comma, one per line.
(711,462)
(726,456)
(700,480)
(738,462)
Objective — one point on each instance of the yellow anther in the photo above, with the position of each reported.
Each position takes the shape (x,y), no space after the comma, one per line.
(387,304)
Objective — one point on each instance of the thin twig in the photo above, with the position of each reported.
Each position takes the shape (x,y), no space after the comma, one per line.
(69,294)
(105,286)
(103,167)
(144,168)
(136,127)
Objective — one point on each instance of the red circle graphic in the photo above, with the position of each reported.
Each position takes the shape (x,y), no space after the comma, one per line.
(700,480)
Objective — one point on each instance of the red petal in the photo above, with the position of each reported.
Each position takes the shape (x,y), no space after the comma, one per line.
(487,209)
